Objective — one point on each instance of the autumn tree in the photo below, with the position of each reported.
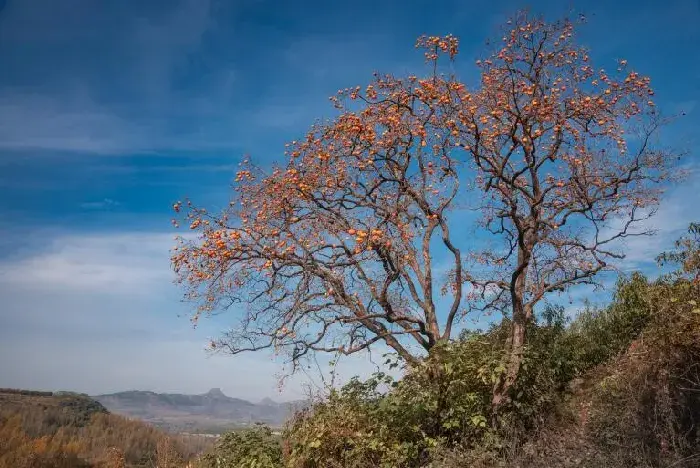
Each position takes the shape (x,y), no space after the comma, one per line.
(336,251)
(167,454)
(564,156)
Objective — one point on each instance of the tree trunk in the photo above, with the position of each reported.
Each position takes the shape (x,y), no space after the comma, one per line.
(515,345)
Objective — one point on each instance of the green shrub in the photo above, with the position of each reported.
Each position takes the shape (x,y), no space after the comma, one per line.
(257,447)
(599,334)
(357,426)
(441,409)
(440,405)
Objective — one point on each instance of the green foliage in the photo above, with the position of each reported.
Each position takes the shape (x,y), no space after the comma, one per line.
(18,391)
(597,335)
(82,407)
(356,426)
(250,448)
(441,404)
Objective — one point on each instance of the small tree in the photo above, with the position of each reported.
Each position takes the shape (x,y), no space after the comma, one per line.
(335,252)
(167,454)
(686,254)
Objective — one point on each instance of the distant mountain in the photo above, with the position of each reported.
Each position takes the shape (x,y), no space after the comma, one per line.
(210,412)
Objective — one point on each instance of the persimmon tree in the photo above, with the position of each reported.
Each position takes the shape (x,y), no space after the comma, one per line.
(335,251)
(563,155)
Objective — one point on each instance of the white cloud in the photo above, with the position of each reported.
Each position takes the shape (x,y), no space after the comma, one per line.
(123,263)
(68,123)
(679,207)
(105,203)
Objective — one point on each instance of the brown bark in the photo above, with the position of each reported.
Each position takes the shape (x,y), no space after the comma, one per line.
(515,345)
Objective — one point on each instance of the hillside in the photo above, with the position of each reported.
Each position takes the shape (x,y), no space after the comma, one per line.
(70,430)
(64,408)
(209,412)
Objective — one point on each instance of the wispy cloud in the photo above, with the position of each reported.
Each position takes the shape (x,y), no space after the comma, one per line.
(116,264)
(34,122)
(103,204)
(678,208)
(73,108)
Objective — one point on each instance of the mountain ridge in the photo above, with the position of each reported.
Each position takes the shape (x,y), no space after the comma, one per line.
(212,411)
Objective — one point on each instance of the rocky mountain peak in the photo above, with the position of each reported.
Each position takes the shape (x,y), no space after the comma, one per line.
(216,393)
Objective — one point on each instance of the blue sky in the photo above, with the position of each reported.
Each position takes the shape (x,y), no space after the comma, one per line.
(112,110)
